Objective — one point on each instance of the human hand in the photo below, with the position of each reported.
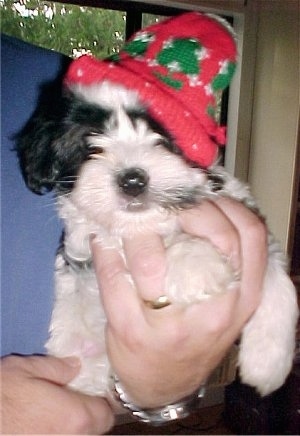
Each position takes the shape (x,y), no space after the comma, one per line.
(162,355)
(35,399)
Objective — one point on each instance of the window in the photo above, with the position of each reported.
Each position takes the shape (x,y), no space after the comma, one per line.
(71,29)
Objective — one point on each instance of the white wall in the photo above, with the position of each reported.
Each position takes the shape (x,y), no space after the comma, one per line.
(275,112)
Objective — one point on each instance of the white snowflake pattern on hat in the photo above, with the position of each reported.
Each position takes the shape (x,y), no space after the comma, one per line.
(202,53)
(152,62)
(194,80)
(144,37)
(174,66)
(223,67)
(208,89)
(168,43)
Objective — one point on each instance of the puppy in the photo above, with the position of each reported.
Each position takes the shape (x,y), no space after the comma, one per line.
(117,172)
(132,141)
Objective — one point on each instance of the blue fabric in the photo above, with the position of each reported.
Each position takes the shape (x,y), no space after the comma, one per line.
(30,227)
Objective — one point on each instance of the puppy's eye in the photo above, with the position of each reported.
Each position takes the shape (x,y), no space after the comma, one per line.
(161,142)
(95,150)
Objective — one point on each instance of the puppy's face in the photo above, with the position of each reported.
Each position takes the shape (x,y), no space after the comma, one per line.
(115,164)
(132,178)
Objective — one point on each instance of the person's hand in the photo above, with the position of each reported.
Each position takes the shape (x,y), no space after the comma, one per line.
(162,355)
(36,401)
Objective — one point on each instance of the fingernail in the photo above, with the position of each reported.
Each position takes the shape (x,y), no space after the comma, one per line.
(92,236)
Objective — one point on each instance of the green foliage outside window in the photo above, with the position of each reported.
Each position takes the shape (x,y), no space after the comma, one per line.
(69,29)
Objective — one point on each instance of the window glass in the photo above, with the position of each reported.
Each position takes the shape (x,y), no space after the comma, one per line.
(69,29)
(148,19)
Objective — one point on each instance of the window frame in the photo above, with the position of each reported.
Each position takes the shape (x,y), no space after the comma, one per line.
(134,10)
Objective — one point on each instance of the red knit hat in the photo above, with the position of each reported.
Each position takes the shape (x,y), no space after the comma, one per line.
(177,67)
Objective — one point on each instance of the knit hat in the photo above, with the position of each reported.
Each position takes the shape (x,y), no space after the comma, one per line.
(177,67)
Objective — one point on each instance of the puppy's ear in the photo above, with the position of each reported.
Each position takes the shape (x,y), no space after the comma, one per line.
(53,145)
(34,143)
(35,156)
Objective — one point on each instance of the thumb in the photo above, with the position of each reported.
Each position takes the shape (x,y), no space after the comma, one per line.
(146,259)
(53,369)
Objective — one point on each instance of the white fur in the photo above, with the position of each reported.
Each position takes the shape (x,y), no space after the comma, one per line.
(196,271)
(110,97)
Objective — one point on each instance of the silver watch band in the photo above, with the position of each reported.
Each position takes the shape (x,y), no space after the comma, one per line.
(159,415)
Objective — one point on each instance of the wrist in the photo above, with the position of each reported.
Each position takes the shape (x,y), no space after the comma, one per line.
(155,388)
(156,415)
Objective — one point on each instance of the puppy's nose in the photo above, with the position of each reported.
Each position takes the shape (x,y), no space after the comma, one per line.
(133,181)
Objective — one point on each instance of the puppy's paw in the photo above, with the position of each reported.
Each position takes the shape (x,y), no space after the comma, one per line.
(196,271)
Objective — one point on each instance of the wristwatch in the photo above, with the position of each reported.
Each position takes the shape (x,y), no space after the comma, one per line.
(159,415)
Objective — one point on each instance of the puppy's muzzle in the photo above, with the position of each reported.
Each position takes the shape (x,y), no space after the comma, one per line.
(133,181)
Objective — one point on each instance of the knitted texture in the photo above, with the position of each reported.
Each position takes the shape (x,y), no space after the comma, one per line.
(178,67)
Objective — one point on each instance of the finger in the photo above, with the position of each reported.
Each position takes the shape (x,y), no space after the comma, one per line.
(146,261)
(241,216)
(101,417)
(56,370)
(210,222)
(118,295)
(253,235)
(214,315)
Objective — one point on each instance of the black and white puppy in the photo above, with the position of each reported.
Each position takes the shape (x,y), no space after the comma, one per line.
(116,172)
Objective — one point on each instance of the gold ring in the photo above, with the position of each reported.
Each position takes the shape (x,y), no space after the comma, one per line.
(158,303)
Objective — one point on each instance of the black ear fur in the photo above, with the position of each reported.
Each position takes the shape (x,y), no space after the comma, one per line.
(33,142)
(52,145)
(35,157)
(50,151)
